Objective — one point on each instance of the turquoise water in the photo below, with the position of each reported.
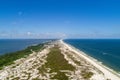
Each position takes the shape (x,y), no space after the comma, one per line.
(106,51)
(12,45)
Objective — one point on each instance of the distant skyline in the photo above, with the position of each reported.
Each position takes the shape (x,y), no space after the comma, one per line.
(59,19)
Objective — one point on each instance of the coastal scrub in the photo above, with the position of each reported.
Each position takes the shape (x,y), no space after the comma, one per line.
(9,58)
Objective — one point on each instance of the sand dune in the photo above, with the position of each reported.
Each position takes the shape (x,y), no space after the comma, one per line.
(76,65)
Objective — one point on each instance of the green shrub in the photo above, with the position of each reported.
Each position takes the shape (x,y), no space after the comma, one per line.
(9,58)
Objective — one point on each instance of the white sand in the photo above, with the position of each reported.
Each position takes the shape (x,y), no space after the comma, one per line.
(34,61)
(109,74)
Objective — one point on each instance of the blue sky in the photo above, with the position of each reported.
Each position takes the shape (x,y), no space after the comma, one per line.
(59,18)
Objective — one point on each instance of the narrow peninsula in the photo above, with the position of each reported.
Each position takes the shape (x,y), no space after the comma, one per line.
(55,60)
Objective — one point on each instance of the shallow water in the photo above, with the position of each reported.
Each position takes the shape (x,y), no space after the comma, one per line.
(106,51)
(12,45)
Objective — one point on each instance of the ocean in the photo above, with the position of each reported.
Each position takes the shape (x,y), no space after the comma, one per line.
(13,45)
(106,51)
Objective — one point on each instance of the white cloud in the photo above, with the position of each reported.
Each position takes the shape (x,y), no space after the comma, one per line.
(50,35)
(16,34)
(3,35)
(61,35)
(33,35)
(29,33)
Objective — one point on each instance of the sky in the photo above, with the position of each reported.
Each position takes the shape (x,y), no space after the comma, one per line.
(59,19)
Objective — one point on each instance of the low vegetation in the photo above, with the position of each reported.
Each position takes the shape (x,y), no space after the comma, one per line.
(73,58)
(9,58)
(86,74)
(56,62)
(56,67)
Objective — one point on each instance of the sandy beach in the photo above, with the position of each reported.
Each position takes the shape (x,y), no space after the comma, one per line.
(57,61)
(108,73)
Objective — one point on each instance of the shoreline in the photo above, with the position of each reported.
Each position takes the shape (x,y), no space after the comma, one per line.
(108,72)
(23,43)
(95,60)
(9,58)
(44,64)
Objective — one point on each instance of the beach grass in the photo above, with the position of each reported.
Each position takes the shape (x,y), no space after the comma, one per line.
(56,62)
(86,74)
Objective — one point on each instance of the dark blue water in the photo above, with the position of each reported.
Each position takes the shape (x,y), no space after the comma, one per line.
(105,50)
(12,45)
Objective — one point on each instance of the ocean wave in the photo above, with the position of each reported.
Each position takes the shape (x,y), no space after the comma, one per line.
(111,55)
